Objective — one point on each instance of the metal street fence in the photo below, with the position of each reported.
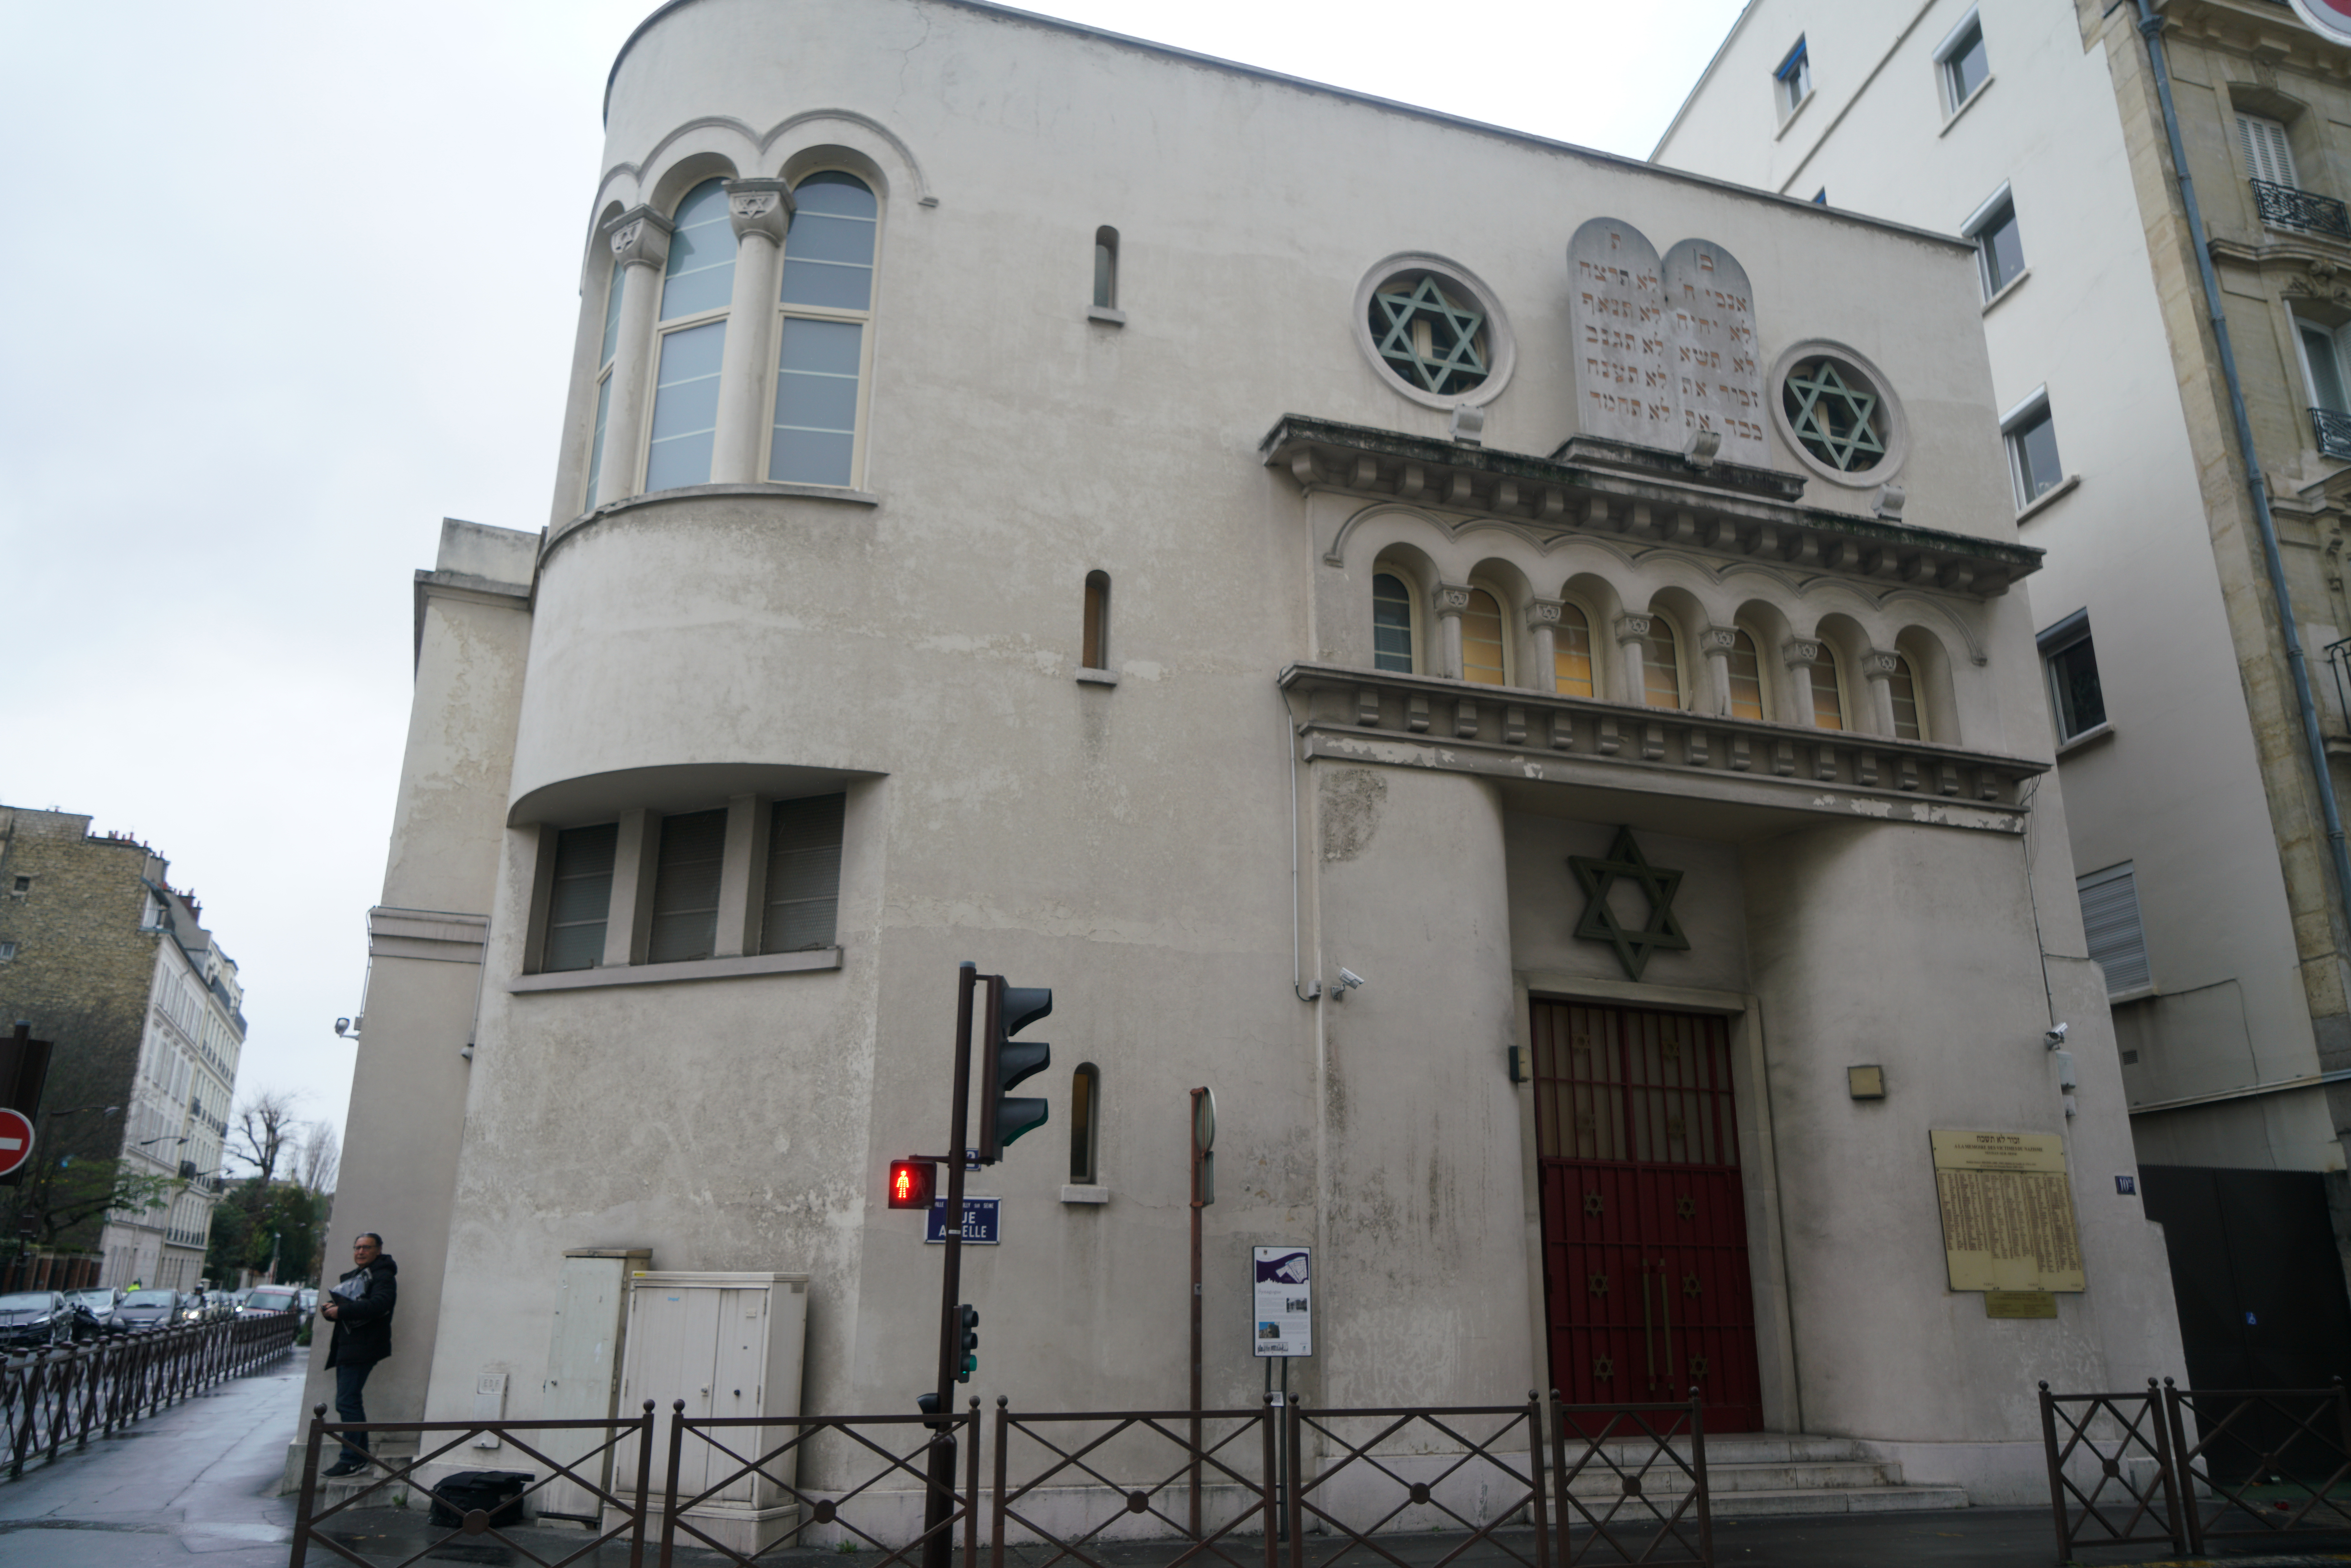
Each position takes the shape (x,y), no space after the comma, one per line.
(2194,1465)
(70,1394)
(1276,1487)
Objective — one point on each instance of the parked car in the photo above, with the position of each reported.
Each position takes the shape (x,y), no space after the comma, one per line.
(35,1320)
(104,1306)
(309,1301)
(268,1301)
(151,1309)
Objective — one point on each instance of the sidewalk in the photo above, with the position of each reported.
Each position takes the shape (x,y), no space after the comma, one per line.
(196,1482)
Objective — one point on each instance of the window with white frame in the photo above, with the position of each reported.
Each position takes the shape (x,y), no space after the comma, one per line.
(1392,623)
(1902,688)
(2110,920)
(2322,366)
(2076,698)
(825,335)
(1485,656)
(1960,62)
(1792,83)
(615,285)
(1999,246)
(2031,435)
(1573,672)
(1661,665)
(696,284)
(2269,156)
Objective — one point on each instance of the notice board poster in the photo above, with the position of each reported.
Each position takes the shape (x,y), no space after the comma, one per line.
(1282,1304)
(2008,1212)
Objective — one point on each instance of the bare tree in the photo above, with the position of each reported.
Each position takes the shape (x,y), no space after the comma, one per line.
(264,1128)
(321,1156)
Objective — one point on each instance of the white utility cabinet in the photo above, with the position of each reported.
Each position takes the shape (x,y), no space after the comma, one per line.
(727,1344)
(583,1372)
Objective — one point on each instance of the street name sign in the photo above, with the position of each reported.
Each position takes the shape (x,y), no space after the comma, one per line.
(1283,1300)
(980,1217)
(16,1139)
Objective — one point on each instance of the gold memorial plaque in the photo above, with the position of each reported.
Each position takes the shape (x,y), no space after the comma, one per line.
(2020,1304)
(2008,1212)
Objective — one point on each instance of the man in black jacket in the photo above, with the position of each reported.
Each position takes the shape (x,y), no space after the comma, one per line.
(360,1306)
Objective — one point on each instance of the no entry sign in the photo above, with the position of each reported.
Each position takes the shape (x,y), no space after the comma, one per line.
(16,1139)
(2329,18)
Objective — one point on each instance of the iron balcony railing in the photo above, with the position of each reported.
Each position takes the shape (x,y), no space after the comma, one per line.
(2333,432)
(2282,206)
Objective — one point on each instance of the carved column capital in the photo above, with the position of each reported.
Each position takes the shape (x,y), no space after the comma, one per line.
(1449,597)
(1879,664)
(759,207)
(1717,641)
(1543,614)
(1800,652)
(1632,628)
(639,237)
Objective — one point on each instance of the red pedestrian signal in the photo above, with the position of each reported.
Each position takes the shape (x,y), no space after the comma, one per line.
(912,1182)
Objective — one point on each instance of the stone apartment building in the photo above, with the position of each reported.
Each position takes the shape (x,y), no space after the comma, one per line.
(2202,781)
(103,957)
(1141,523)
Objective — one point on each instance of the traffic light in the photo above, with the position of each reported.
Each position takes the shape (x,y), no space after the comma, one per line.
(967,1320)
(1004,1117)
(912,1182)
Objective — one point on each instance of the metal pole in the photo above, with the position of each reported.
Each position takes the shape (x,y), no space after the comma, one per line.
(938,1506)
(2150,27)
(1195,1515)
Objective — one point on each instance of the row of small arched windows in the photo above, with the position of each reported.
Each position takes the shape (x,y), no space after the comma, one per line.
(1665,669)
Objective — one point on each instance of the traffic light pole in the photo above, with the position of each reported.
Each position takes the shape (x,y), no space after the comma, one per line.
(938,1542)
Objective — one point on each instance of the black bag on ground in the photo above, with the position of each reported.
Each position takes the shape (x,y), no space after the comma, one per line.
(498,1493)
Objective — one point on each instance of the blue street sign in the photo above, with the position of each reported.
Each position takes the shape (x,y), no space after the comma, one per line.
(980,1221)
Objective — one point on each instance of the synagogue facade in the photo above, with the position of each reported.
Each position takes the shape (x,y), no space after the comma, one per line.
(1172,533)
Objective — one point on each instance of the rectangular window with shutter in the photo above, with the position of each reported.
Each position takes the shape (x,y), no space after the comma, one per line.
(685,887)
(582,898)
(803,875)
(2268,155)
(2110,920)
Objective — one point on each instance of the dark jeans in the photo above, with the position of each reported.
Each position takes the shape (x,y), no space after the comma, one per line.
(350,1381)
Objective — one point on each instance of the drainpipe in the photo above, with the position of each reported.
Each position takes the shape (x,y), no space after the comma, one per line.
(2150,27)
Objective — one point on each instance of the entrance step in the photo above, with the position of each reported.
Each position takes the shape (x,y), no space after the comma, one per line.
(1756,1474)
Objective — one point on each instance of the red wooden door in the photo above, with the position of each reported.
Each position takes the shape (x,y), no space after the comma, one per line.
(1645,1226)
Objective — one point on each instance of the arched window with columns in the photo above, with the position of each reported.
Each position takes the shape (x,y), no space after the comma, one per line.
(824,336)
(697,284)
(1482,655)
(1745,671)
(1828,690)
(1902,686)
(1392,623)
(1661,665)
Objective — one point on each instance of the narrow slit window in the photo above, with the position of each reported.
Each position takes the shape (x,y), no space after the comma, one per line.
(1391,625)
(1902,685)
(803,875)
(1106,269)
(1571,658)
(613,291)
(1828,691)
(1096,650)
(1746,678)
(1793,79)
(685,887)
(1085,1124)
(1481,641)
(581,902)
(827,300)
(1661,665)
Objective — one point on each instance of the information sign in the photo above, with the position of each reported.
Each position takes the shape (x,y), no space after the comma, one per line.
(980,1216)
(2008,1212)
(1282,1301)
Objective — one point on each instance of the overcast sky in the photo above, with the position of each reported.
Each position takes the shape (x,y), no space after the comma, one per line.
(291,282)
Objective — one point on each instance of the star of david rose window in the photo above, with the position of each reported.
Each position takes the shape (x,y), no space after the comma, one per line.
(1835,411)
(1434,332)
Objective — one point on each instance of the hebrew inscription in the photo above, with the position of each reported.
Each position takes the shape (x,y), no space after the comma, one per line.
(1710,328)
(2008,1212)
(1623,384)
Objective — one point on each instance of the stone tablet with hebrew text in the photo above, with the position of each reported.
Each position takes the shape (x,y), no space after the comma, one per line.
(1624,387)
(1710,333)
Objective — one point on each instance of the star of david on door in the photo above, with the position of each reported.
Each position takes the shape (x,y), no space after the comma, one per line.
(1597,876)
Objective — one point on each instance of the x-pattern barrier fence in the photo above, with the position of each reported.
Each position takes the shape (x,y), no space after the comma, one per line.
(2194,1465)
(70,1394)
(1276,1487)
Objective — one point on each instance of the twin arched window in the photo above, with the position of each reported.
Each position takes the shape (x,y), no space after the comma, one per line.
(825,306)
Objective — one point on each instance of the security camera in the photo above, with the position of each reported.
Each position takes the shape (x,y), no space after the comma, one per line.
(1349,978)
(2055,1037)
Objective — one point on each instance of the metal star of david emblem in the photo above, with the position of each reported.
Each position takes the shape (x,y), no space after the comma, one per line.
(1600,923)
(1442,358)
(1836,422)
